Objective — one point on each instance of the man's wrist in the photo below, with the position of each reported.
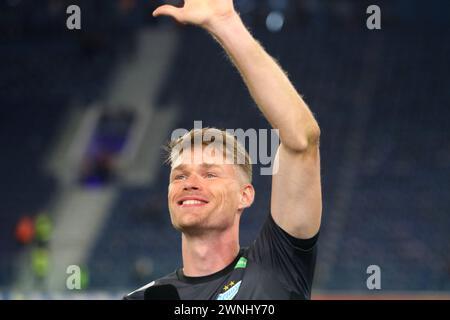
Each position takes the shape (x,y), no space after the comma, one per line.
(222,27)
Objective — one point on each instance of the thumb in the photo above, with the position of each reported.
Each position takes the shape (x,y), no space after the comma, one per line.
(167,10)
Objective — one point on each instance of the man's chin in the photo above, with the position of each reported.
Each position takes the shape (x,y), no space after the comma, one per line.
(190,229)
(188,224)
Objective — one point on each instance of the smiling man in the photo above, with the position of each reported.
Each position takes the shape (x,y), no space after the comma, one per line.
(208,193)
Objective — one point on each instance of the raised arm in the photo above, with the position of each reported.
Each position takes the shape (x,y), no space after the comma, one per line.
(296,202)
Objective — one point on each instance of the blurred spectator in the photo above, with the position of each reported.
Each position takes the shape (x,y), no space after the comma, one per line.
(98,170)
(43,226)
(25,230)
(40,263)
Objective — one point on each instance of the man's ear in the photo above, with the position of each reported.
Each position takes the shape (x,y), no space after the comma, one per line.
(247,196)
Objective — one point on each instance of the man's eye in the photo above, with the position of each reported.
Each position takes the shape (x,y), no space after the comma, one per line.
(179,177)
(210,175)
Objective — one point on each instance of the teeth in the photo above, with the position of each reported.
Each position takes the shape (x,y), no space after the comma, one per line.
(192,202)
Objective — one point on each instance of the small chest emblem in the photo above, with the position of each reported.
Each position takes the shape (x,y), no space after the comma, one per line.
(231,289)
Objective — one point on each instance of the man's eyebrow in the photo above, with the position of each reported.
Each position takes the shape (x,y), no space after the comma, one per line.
(182,167)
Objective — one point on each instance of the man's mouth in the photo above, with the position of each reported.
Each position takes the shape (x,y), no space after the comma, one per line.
(192,202)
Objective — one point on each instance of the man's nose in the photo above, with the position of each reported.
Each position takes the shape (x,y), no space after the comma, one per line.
(192,183)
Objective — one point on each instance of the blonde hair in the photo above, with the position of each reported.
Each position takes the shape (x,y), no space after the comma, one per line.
(207,136)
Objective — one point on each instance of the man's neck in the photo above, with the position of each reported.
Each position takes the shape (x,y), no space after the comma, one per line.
(208,254)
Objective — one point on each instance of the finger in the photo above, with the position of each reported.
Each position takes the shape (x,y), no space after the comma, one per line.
(167,10)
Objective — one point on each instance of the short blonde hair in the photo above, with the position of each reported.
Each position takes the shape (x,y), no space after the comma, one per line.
(208,136)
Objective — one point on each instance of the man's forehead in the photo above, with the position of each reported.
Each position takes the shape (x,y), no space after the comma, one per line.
(206,156)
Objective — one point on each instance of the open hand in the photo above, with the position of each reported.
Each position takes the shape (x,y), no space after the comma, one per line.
(203,13)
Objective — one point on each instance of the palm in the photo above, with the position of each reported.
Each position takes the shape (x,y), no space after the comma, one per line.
(198,12)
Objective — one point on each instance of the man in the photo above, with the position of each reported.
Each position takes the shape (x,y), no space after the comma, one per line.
(207,197)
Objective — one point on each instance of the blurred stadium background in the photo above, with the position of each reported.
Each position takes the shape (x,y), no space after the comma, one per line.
(84,114)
